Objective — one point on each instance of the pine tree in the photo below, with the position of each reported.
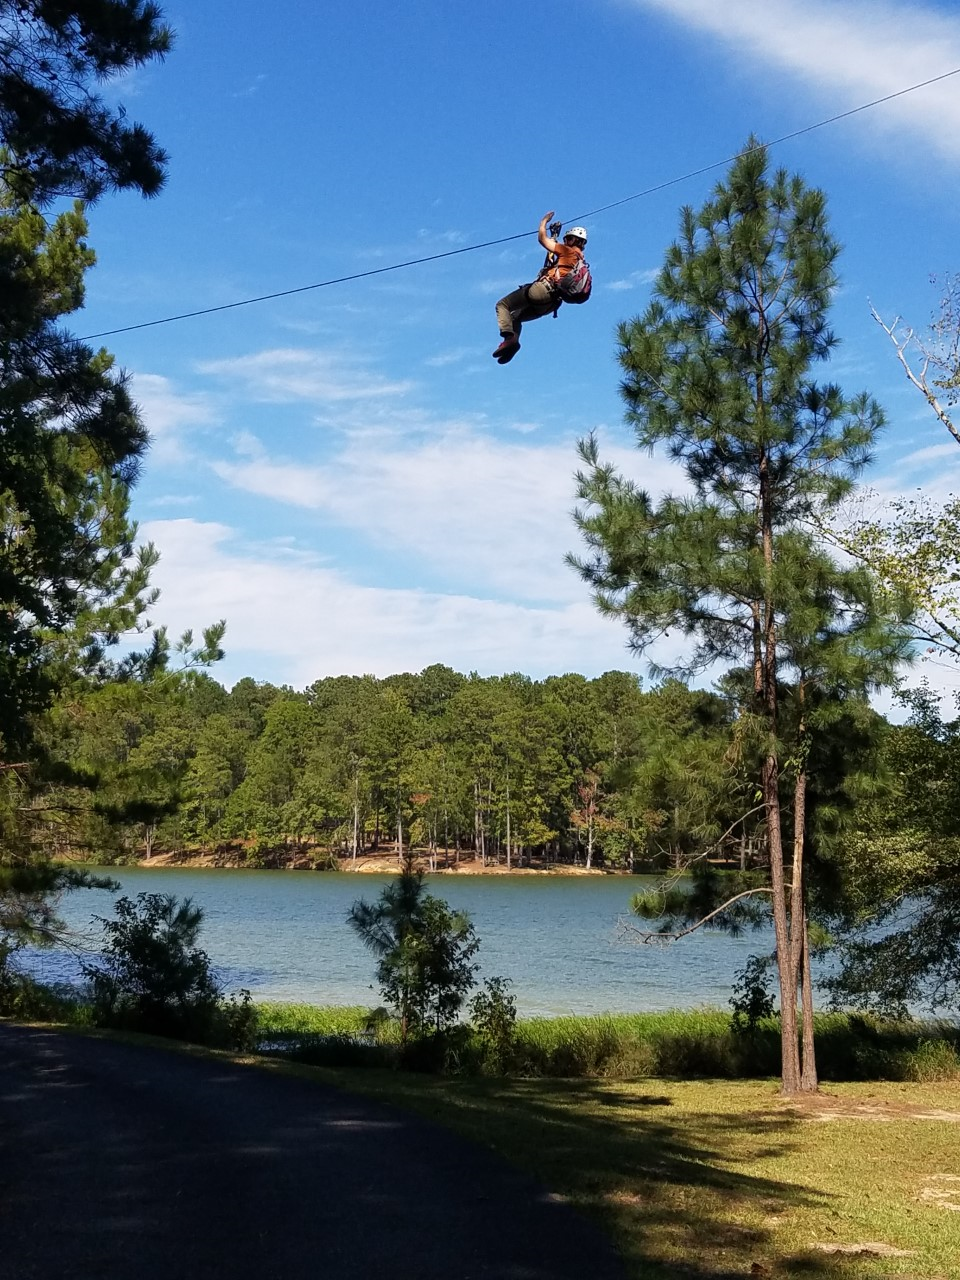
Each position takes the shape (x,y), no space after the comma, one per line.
(59,136)
(70,446)
(718,370)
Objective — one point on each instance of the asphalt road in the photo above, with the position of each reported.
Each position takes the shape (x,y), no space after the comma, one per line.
(118,1161)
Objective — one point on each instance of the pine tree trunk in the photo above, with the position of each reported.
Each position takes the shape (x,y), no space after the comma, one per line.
(809,1082)
(789,1048)
(765,686)
(356,818)
(509,865)
(798,911)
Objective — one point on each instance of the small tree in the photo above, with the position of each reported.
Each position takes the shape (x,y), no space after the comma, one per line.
(493,1012)
(153,976)
(424,951)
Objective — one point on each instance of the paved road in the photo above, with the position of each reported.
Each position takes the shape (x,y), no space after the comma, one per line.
(125,1163)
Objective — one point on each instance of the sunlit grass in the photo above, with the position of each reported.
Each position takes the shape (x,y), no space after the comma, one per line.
(723,1179)
(276,1019)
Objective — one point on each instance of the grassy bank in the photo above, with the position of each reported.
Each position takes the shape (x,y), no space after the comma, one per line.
(685,1044)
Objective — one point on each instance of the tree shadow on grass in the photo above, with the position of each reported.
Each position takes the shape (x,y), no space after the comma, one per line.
(679,1191)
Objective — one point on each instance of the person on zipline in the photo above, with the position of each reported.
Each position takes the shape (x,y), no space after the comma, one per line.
(565,267)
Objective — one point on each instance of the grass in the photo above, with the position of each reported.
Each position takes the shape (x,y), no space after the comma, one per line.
(281,1020)
(724,1179)
(684,1043)
(710,1179)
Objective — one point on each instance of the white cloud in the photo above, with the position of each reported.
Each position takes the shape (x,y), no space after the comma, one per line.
(854,52)
(635,280)
(303,620)
(285,374)
(932,453)
(479,510)
(442,237)
(449,357)
(174,500)
(167,413)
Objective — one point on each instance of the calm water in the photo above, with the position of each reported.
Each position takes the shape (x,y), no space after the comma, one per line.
(284,935)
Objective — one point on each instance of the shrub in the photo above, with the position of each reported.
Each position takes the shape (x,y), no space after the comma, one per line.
(340,1050)
(240,1021)
(752,1000)
(930,1061)
(152,977)
(493,1014)
(633,1060)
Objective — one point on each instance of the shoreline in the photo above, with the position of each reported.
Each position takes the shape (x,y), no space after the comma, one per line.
(367,863)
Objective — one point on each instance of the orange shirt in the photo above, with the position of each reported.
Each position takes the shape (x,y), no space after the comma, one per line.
(567,257)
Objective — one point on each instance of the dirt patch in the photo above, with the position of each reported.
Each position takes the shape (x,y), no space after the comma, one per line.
(942,1191)
(869,1249)
(824,1107)
(369,863)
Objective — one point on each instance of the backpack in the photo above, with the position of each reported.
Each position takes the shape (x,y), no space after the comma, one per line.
(575,286)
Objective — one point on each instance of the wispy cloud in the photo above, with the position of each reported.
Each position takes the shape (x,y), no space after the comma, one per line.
(251,88)
(169,413)
(286,374)
(174,500)
(933,453)
(635,280)
(442,238)
(471,507)
(449,357)
(852,52)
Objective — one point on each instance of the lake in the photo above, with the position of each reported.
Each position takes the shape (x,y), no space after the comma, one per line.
(284,936)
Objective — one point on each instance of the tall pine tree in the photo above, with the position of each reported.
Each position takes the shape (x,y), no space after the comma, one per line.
(718,371)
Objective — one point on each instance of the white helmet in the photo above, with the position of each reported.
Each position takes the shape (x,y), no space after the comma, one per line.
(579,232)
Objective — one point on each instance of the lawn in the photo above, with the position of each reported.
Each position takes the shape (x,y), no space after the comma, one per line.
(723,1179)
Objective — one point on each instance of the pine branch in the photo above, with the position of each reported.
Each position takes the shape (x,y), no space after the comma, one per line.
(653,935)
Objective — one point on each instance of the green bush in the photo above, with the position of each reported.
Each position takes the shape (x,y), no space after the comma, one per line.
(493,1013)
(240,1022)
(151,977)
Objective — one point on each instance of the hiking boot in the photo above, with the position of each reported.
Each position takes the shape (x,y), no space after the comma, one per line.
(507,349)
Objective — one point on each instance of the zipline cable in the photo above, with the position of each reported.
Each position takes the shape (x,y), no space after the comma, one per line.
(522,235)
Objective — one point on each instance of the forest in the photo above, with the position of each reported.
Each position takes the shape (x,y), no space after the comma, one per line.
(510,771)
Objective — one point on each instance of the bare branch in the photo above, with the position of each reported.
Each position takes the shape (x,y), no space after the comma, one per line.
(654,935)
(675,879)
(918,380)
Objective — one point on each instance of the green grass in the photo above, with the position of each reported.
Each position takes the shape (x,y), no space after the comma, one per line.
(277,1020)
(683,1043)
(713,1179)
(723,1179)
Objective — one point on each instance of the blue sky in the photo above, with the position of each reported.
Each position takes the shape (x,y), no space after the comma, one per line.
(346,475)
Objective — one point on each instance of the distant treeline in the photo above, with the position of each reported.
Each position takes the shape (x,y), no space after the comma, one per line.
(509,770)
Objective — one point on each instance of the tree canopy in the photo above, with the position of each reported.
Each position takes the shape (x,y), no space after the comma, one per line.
(60,136)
